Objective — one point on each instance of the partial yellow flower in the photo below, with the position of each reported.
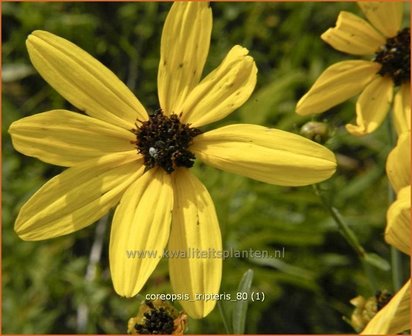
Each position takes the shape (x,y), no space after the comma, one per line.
(398,164)
(366,308)
(375,80)
(119,156)
(398,228)
(402,109)
(394,318)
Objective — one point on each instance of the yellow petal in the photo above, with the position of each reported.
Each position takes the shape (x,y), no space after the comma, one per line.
(183,51)
(140,230)
(77,197)
(402,109)
(195,241)
(398,165)
(265,154)
(223,90)
(66,138)
(394,318)
(372,106)
(83,80)
(386,16)
(336,84)
(353,35)
(398,229)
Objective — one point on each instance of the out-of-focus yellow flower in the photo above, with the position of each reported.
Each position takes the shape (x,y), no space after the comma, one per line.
(398,228)
(375,80)
(395,316)
(398,164)
(398,168)
(366,309)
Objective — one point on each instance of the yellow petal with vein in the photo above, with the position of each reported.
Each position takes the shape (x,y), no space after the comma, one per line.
(265,154)
(66,138)
(398,229)
(386,16)
(336,84)
(183,52)
(353,35)
(194,245)
(140,230)
(77,197)
(83,80)
(402,109)
(394,318)
(398,164)
(223,90)
(372,106)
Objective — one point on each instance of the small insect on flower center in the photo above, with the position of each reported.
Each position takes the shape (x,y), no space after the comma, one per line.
(395,57)
(164,141)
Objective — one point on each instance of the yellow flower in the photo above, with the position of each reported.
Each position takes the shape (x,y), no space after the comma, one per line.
(366,309)
(375,80)
(398,167)
(397,232)
(394,318)
(398,164)
(119,155)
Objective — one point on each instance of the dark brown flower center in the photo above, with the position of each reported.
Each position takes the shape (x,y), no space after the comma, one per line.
(382,298)
(157,321)
(395,57)
(164,141)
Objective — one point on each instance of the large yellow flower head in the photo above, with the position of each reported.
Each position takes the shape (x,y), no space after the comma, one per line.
(120,156)
(376,80)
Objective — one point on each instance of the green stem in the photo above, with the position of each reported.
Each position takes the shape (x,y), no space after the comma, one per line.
(345,230)
(350,237)
(222,314)
(396,261)
(370,275)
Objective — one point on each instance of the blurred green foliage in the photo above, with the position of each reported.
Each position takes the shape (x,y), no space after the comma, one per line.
(45,288)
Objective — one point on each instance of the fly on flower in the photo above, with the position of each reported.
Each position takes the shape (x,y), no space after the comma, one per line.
(119,156)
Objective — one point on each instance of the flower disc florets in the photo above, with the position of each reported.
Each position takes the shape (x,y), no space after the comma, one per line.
(382,298)
(395,57)
(156,321)
(164,141)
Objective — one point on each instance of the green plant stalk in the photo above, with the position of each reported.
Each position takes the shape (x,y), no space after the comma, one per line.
(396,262)
(222,314)
(350,237)
(345,230)
(370,275)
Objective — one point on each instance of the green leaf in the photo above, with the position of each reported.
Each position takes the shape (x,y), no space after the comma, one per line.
(377,261)
(240,308)
(284,267)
